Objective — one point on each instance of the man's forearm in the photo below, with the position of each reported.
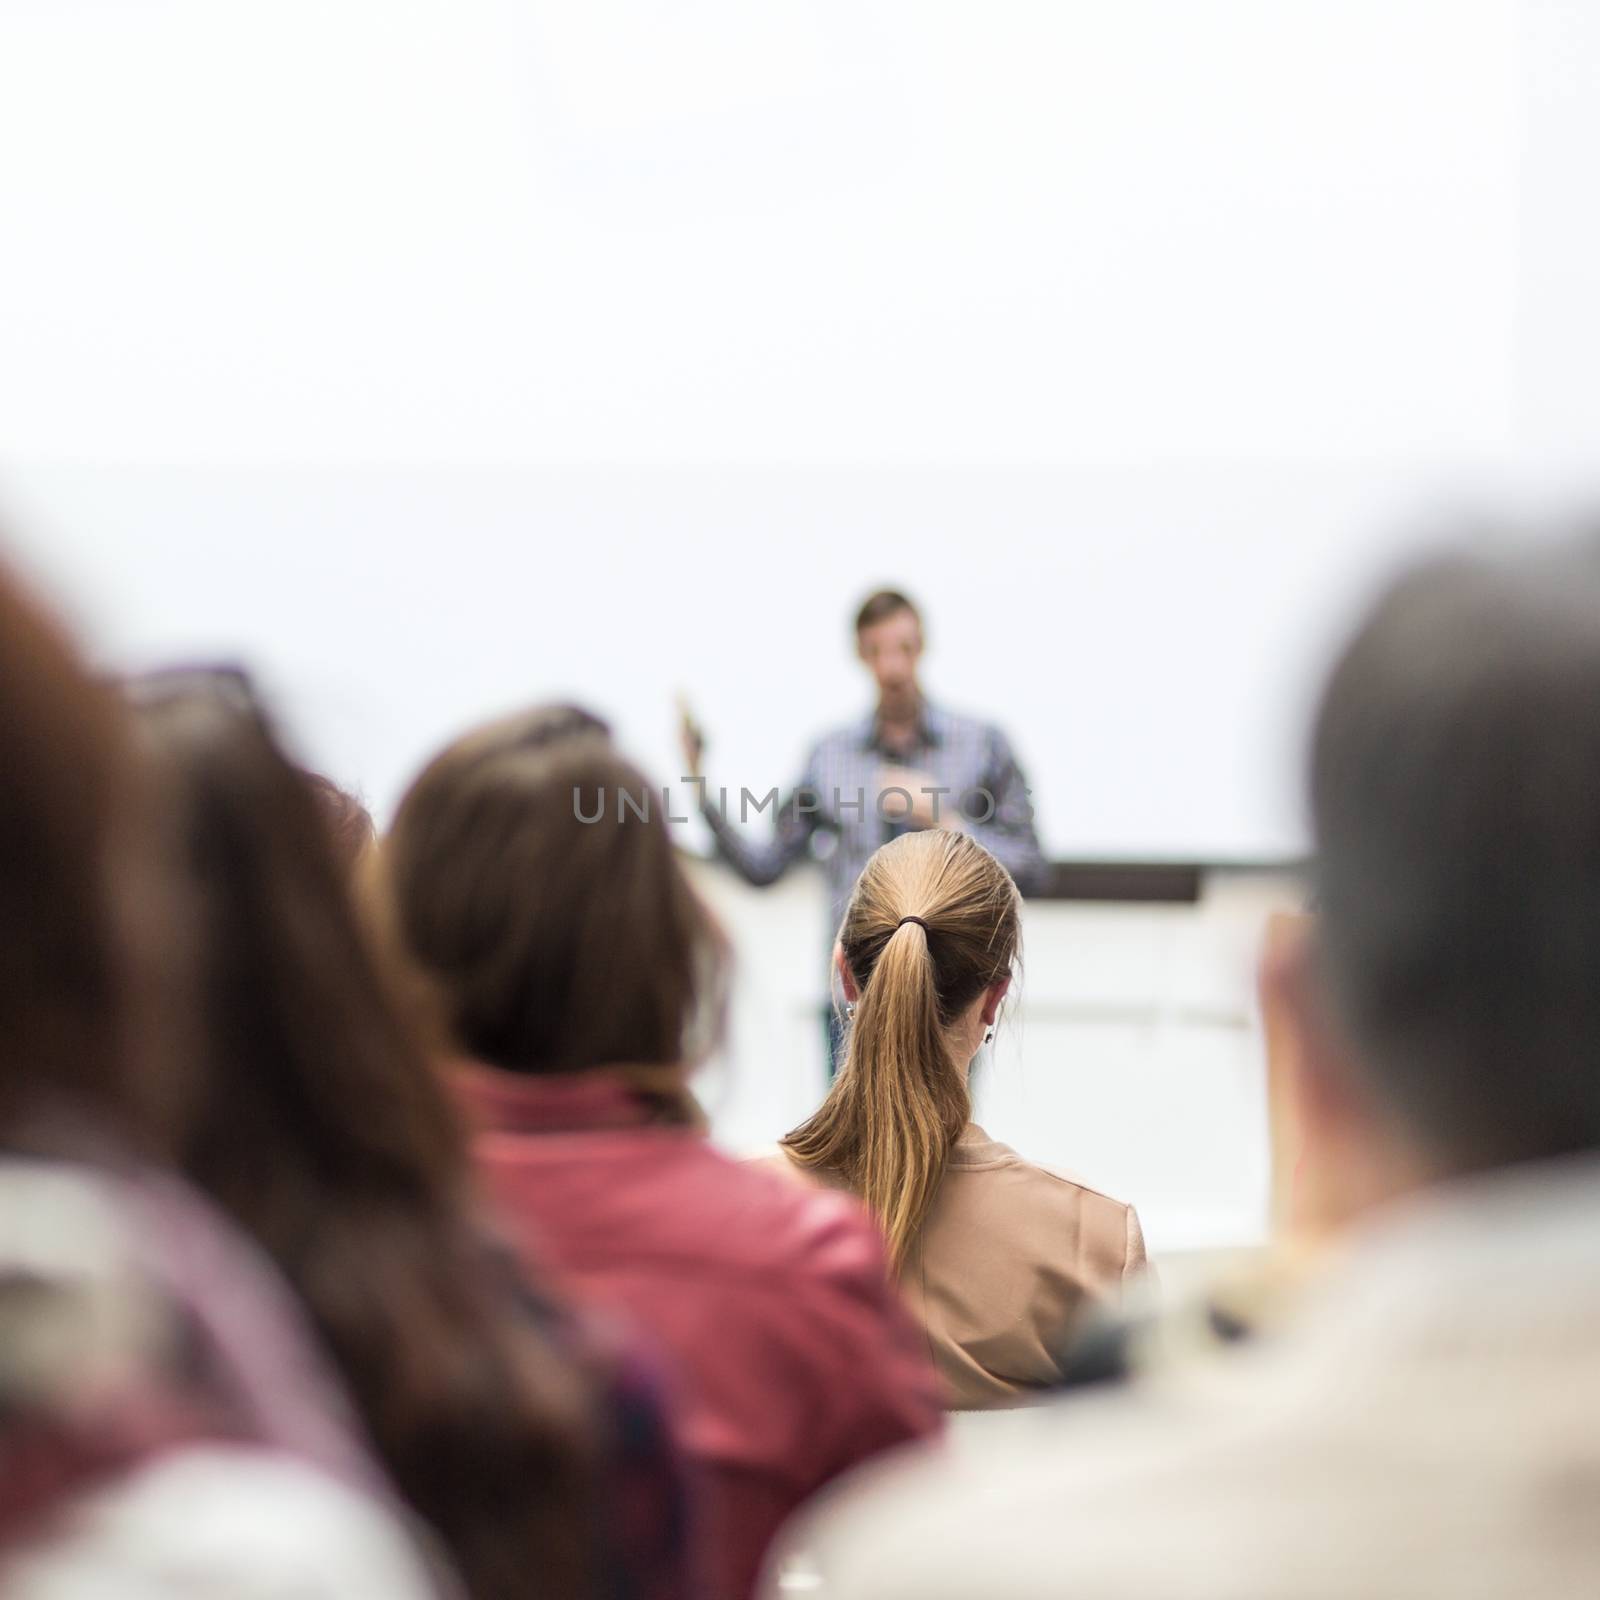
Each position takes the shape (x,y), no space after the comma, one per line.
(757,863)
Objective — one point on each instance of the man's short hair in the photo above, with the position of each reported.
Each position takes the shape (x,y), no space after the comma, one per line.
(882,604)
(1455,794)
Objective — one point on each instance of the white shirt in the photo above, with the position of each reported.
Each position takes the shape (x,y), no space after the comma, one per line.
(221,1523)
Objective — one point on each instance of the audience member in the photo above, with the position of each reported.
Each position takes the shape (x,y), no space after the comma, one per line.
(1001,1258)
(1424,1425)
(348,822)
(579,981)
(321,1127)
(166,1427)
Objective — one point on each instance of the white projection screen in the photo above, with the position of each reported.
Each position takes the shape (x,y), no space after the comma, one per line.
(433,357)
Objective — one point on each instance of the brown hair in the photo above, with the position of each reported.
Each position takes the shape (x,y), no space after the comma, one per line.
(347,820)
(322,1128)
(64,810)
(900,1100)
(882,604)
(553,943)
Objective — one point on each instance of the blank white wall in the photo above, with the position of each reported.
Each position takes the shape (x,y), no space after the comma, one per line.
(862,230)
(436,356)
(1558,333)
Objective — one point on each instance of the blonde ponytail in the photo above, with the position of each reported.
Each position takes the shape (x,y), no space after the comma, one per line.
(932,923)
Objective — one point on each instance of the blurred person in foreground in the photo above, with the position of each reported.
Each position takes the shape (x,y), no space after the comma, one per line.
(1422,1424)
(167,1425)
(319,1124)
(579,981)
(347,822)
(1003,1260)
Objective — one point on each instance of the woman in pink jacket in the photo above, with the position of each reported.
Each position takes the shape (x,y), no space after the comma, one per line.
(578,979)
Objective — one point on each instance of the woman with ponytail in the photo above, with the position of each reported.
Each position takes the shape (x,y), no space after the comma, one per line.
(1004,1260)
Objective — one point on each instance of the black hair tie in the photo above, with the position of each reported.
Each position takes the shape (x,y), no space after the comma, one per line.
(918,920)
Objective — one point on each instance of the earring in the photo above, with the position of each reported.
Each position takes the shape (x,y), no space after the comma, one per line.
(850,1011)
(988,1037)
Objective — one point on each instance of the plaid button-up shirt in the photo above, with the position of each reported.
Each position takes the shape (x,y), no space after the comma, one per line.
(841,797)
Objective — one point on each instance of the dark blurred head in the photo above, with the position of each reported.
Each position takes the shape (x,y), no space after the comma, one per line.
(311,1081)
(1455,790)
(65,807)
(554,943)
(320,1124)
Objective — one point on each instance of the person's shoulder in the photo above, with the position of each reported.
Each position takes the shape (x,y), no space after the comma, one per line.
(985,1514)
(224,1520)
(1050,1200)
(775,1159)
(1065,1182)
(780,1190)
(977,1152)
(793,1226)
(945,718)
(966,727)
(1110,1224)
(849,735)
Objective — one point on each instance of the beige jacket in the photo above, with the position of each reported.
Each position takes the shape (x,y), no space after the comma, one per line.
(1011,1261)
